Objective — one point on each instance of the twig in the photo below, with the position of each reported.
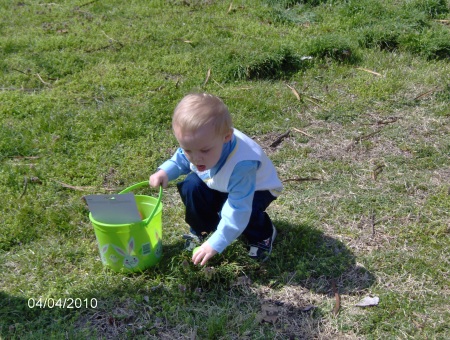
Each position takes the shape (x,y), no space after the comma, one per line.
(111,44)
(280,139)
(106,35)
(390,120)
(426,93)
(315,101)
(377,170)
(372,220)
(302,132)
(294,91)
(208,74)
(357,140)
(300,95)
(116,41)
(25,185)
(369,71)
(230,7)
(301,179)
(337,297)
(14,69)
(29,74)
(215,81)
(42,80)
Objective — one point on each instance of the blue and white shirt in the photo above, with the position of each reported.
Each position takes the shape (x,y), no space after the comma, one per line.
(242,169)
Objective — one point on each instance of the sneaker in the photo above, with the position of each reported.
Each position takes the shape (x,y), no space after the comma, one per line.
(261,250)
(192,241)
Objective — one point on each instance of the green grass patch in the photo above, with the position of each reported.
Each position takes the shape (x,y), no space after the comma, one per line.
(87,91)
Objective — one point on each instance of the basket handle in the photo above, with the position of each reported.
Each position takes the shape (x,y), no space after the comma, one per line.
(139,185)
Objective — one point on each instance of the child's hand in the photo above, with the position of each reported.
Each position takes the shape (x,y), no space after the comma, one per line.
(203,254)
(159,178)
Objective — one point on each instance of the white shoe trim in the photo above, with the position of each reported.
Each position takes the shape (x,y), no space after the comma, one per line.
(253,251)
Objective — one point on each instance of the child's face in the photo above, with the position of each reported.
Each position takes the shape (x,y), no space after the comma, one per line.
(202,147)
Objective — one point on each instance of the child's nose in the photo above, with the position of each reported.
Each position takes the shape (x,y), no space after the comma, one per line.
(198,157)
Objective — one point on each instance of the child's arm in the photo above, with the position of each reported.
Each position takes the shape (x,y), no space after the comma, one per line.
(235,212)
(171,169)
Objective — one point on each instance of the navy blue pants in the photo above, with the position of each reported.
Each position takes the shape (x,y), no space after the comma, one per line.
(203,206)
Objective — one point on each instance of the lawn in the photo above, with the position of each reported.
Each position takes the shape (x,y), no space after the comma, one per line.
(351,101)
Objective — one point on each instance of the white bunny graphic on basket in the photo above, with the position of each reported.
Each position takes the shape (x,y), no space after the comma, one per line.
(113,258)
(128,261)
(103,251)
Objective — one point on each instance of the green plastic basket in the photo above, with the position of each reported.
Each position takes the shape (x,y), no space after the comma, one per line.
(132,247)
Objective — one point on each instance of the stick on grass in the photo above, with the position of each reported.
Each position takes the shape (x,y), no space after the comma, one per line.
(302,132)
(208,74)
(369,71)
(337,297)
(280,139)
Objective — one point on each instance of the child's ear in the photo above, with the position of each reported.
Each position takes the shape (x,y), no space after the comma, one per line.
(228,136)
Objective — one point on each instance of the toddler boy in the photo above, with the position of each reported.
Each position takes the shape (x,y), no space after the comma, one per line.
(230,180)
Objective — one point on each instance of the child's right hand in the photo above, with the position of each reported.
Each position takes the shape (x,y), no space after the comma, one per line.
(159,178)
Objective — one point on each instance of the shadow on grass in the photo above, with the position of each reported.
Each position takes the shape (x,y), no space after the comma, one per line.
(232,297)
(302,255)
(234,291)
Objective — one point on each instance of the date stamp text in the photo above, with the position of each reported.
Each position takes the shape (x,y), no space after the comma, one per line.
(66,303)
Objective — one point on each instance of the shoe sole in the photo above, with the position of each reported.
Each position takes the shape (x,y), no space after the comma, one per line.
(268,252)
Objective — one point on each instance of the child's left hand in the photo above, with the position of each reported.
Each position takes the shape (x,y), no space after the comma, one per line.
(203,254)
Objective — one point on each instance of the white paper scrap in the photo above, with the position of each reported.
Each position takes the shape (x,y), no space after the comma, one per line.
(368,301)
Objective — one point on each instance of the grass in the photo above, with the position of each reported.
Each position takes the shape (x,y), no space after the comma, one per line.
(87,93)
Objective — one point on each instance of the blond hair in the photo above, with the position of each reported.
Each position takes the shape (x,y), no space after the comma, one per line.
(199,109)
